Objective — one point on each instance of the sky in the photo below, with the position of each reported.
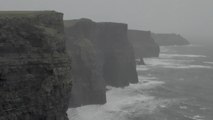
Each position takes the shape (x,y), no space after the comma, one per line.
(190,18)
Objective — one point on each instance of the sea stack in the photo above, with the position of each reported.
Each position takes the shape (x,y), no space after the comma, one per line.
(35,69)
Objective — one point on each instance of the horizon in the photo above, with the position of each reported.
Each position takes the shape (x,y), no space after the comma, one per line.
(192,19)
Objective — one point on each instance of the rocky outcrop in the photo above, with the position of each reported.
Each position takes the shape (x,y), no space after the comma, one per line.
(88,82)
(169,39)
(102,55)
(143,43)
(119,67)
(34,72)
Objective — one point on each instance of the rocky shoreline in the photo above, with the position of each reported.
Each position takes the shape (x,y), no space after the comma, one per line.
(38,50)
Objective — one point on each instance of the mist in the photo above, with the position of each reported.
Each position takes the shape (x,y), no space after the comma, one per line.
(191,18)
(130,60)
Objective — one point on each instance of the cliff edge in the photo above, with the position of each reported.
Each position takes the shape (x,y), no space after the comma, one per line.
(35,69)
(102,55)
(119,67)
(143,43)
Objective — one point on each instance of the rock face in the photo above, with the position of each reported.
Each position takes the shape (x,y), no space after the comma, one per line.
(35,69)
(102,55)
(119,67)
(88,82)
(169,39)
(143,43)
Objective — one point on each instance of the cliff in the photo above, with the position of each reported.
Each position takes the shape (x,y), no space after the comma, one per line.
(101,55)
(119,67)
(88,82)
(169,39)
(143,43)
(34,72)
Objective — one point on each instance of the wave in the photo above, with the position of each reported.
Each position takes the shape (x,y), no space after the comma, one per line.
(180,55)
(209,62)
(171,63)
(189,66)
(198,117)
(122,103)
(142,68)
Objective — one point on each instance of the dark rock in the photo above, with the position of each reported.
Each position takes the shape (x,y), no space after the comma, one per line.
(88,82)
(169,39)
(119,67)
(143,44)
(34,72)
(140,61)
(102,55)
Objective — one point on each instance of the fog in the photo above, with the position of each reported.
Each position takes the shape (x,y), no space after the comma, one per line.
(191,18)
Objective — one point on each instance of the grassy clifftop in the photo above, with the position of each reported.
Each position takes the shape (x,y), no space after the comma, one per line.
(24,13)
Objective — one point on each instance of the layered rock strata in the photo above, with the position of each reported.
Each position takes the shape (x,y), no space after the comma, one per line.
(35,70)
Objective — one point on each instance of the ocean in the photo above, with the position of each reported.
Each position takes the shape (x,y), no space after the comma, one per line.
(176,86)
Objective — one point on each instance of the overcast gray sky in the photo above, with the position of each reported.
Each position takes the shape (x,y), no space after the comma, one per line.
(186,17)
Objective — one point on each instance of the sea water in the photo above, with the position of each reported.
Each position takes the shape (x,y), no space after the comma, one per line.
(176,86)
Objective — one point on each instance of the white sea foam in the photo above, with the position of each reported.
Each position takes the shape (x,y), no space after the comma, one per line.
(183,107)
(180,55)
(142,68)
(209,62)
(173,63)
(164,49)
(164,62)
(198,117)
(132,101)
(122,103)
(189,66)
(147,78)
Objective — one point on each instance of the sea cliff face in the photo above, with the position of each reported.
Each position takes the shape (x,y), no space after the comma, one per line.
(102,55)
(35,69)
(143,43)
(169,39)
(88,82)
(119,67)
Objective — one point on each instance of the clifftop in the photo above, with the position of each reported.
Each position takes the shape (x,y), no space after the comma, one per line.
(26,13)
(31,35)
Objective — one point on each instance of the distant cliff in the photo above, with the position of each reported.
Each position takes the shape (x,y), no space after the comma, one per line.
(143,43)
(119,61)
(34,73)
(102,55)
(169,39)
(88,82)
